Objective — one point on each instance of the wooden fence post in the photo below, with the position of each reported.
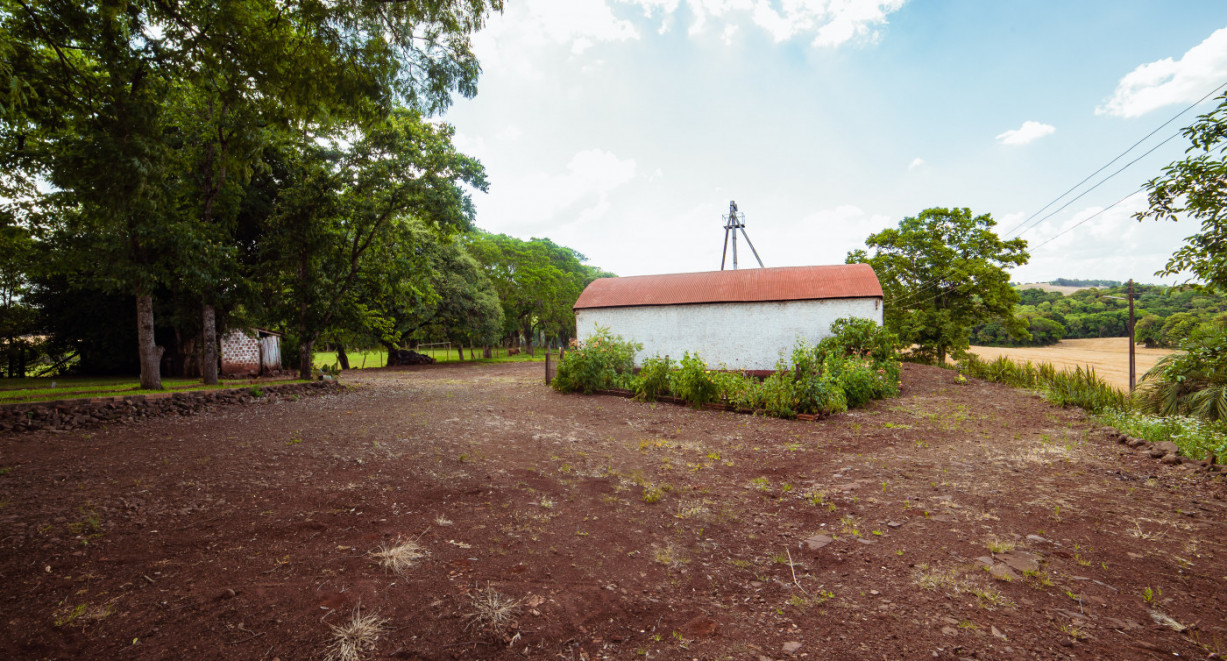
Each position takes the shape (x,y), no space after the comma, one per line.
(547,368)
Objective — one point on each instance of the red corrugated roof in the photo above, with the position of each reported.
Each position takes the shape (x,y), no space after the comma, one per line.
(792,283)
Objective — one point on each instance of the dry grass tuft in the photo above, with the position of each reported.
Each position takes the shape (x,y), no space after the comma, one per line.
(399,557)
(492,612)
(353,639)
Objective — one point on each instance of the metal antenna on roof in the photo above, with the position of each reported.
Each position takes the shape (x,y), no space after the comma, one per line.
(733,222)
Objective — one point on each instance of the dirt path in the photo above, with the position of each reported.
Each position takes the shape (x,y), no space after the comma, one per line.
(621,529)
(1108,355)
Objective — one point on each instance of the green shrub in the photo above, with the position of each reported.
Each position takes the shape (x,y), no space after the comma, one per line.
(601,362)
(1080,387)
(1196,438)
(653,379)
(692,381)
(1191,383)
(738,390)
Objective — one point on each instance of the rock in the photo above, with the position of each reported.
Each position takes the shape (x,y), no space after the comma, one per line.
(1164,448)
(986,560)
(997,633)
(1020,561)
(1135,443)
(817,542)
(791,647)
(1002,573)
(1036,539)
(1171,459)
(893,524)
(950,631)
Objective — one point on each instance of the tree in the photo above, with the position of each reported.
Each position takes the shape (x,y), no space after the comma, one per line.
(344,204)
(1196,187)
(538,282)
(91,89)
(942,273)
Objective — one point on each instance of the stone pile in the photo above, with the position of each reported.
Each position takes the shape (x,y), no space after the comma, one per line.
(66,414)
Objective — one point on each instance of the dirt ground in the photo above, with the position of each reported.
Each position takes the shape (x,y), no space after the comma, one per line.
(1108,355)
(956,521)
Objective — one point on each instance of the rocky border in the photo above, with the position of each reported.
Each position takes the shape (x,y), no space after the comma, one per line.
(86,413)
(1165,451)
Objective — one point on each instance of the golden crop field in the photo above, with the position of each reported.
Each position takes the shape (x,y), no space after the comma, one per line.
(1108,355)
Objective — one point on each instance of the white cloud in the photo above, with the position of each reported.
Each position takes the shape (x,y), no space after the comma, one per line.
(1167,81)
(509,38)
(830,23)
(1028,132)
(916,163)
(1111,245)
(580,193)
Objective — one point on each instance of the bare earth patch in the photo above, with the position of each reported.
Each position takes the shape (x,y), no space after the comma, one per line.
(470,512)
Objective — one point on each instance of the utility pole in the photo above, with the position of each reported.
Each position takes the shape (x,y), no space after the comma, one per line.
(733,222)
(1132,342)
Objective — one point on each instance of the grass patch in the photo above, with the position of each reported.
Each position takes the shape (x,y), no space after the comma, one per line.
(492,612)
(399,557)
(21,391)
(355,638)
(1196,438)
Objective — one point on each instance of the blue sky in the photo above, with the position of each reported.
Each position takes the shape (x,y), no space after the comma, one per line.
(622,128)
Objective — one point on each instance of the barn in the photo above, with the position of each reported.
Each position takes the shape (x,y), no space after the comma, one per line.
(741,319)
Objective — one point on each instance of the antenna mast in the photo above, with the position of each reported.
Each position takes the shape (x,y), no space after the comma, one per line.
(734,221)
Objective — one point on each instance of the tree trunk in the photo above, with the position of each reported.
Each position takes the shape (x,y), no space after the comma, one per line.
(150,352)
(208,341)
(460,351)
(486,352)
(306,357)
(342,357)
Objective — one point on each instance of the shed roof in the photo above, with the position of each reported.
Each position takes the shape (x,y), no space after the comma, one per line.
(792,283)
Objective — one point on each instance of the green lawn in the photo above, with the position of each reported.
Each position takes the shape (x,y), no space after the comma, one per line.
(377,357)
(14,391)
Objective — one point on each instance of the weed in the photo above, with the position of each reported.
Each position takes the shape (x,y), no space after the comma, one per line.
(996,545)
(1148,595)
(355,638)
(400,556)
(761,484)
(294,441)
(255,392)
(492,612)
(546,503)
(652,494)
(669,555)
(1073,632)
(442,521)
(968,624)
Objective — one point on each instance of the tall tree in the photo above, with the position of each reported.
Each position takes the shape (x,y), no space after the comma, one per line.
(344,203)
(105,74)
(1196,187)
(943,271)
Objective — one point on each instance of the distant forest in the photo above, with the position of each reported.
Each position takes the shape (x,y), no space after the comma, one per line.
(1071,282)
(1165,316)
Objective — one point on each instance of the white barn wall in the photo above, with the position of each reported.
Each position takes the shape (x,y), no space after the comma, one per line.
(747,336)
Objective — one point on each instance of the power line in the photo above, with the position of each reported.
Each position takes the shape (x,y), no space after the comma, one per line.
(927,286)
(1119,156)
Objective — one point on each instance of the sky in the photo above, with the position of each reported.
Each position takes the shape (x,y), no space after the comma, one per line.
(623,128)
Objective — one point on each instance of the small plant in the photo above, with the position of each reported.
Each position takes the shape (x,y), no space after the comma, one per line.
(761,484)
(600,362)
(256,392)
(294,441)
(355,638)
(1148,595)
(400,556)
(652,494)
(492,612)
(996,545)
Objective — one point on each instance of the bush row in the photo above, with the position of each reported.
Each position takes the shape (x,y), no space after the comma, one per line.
(857,364)
(1079,387)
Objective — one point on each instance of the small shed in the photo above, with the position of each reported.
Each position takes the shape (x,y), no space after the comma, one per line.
(250,352)
(741,319)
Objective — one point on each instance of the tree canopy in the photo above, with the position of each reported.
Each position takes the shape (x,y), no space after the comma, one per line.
(1196,187)
(943,271)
